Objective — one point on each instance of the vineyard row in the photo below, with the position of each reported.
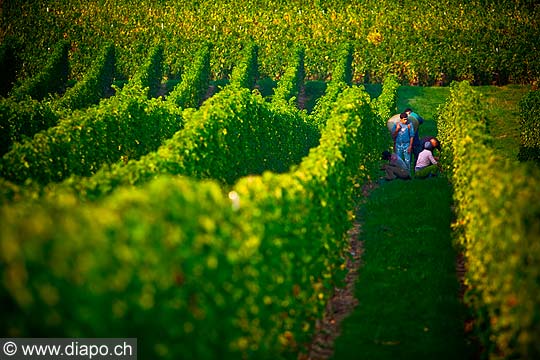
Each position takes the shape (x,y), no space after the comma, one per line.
(241,273)
(497,229)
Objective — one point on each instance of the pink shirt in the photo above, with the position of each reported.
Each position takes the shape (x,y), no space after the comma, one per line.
(425,158)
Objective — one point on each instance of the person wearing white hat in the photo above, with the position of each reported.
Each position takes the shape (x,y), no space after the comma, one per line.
(427,165)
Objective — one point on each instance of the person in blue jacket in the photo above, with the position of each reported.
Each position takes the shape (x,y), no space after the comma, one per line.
(418,146)
(403,133)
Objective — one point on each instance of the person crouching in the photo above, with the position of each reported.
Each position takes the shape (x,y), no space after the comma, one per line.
(394,168)
(427,165)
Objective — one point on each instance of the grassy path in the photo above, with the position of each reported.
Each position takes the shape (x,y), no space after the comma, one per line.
(407,286)
(407,289)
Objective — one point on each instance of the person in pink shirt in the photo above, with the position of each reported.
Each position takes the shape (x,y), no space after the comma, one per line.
(427,165)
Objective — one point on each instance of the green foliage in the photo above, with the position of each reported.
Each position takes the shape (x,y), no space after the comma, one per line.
(22,119)
(150,75)
(497,227)
(246,71)
(339,82)
(385,105)
(51,80)
(313,90)
(186,269)
(96,84)
(423,42)
(343,71)
(236,134)
(233,134)
(502,110)
(295,208)
(530,127)
(382,107)
(127,126)
(324,104)
(166,260)
(9,63)
(190,92)
(292,80)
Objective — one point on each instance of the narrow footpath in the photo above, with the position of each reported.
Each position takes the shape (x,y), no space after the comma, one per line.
(406,294)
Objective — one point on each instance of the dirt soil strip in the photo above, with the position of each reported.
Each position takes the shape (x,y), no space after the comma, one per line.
(339,306)
(342,303)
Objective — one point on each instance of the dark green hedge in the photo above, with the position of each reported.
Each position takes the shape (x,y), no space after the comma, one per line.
(21,120)
(497,228)
(95,85)
(290,84)
(184,266)
(125,127)
(233,134)
(10,65)
(149,75)
(530,127)
(191,90)
(340,80)
(246,71)
(52,78)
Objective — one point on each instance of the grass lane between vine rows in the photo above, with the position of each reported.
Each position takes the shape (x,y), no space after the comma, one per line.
(407,288)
